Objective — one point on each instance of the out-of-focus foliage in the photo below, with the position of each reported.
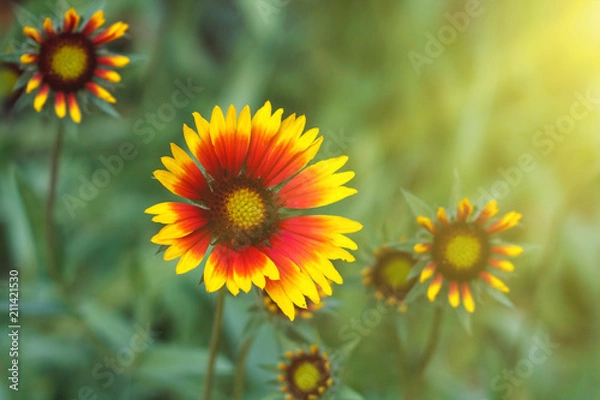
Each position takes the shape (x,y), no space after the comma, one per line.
(416,93)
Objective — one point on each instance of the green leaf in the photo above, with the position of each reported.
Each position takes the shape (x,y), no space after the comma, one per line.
(109,325)
(345,393)
(163,363)
(33,208)
(465,320)
(499,296)
(92,8)
(22,81)
(417,206)
(456,190)
(24,17)
(11,57)
(105,106)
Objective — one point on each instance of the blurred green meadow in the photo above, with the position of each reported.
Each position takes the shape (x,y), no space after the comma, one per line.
(442,98)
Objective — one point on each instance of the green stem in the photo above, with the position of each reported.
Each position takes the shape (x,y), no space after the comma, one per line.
(214,346)
(53,268)
(427,356)
(240,369)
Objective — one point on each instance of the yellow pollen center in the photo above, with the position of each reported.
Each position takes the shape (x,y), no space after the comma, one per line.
(69,62)
(245,208)
(306,377)
(395,272)
(463,251)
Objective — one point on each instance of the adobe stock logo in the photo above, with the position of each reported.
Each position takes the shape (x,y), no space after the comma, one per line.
(506,382)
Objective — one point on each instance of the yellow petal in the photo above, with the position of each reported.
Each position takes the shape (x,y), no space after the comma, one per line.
(434,287)
(428,272)
(426,223)
(453,294)
(467,297)
(493,281)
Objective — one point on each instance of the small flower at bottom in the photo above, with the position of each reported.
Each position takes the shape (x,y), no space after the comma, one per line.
(254,170)
(305,375)
(389,275)
(462,250)
(68,59)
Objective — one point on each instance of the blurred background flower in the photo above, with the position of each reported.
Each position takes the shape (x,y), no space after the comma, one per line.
(503,93)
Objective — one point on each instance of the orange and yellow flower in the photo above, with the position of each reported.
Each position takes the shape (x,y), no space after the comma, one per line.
(462,250)
(68,59)
(254,170)
(390,277)
(306,375)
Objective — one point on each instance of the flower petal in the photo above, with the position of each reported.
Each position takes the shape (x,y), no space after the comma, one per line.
(488,212)
(467,297)
(49,28)
(116,61)
(41,97)
(95,22)
(453,294)
(34,82)
(426,223)
(503,265)
(318,185)
(28,58)
(70,21)
(441,216)
(464,209)
(507,250)
(60,105)
(493,281)
(74,110)
(113,32)
(100,92)
(108,75)
(506,222)
(421,248)
(428,272)
(32,33)
(434,287)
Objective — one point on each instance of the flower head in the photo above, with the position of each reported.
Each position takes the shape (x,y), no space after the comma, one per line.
(68,59)
(389,275)
(462,250)
(305,375)
(254,170)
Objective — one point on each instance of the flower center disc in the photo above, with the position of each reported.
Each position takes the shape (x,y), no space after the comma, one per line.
(244,212)
(461,250)
(67,61)
(307,377)
(245,208)
(395,272)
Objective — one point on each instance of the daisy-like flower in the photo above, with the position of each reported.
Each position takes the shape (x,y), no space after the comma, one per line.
(68,59)
(389,275)
(305,375)
(462,250)
(254,169)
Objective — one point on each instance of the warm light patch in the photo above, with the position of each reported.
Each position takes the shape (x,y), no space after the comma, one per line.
(463,251)
(69,62)
(245,208)
(307,377)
